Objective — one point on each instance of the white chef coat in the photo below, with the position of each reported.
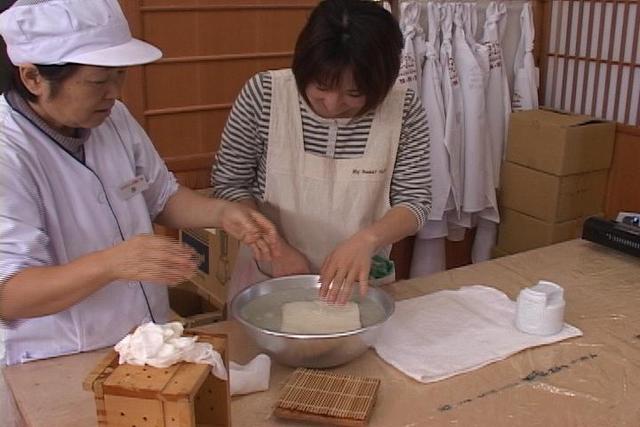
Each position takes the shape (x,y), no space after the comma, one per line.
(54,209)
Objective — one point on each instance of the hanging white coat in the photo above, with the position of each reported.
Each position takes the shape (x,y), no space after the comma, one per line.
(411,60)
(526,82)
(429,246)
(478,189)
(497,89)
(454,108)
(433,102)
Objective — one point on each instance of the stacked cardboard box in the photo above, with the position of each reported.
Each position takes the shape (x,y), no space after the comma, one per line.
(554,176)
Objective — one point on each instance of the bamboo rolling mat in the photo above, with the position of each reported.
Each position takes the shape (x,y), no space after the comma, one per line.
(313,395)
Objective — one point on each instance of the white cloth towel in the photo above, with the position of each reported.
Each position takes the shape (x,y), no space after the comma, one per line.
(164,345)
(252,377)
(450,332)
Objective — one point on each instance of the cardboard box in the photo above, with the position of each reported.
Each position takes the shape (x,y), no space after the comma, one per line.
(559,143)
(191,306)
(498,252)
(519,232)
(549,197)
(217,251)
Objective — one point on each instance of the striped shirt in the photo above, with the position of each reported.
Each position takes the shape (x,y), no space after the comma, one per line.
(240,168)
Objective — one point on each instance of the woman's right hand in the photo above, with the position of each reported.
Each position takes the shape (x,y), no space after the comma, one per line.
(289,261)
(151,258)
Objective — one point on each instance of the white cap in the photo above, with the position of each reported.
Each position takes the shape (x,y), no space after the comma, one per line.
(540,309)
(90,32)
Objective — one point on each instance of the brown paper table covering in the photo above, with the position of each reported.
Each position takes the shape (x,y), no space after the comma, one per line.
(592,380)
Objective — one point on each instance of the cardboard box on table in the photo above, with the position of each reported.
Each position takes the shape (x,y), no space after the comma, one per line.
(497,252)
(559,143)
(217,252)
(549,197)
(519,232)
(554,177)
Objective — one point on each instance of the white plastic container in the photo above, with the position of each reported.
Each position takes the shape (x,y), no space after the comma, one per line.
(540,309)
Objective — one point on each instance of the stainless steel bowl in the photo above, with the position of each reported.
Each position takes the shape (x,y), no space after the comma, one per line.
(310,351)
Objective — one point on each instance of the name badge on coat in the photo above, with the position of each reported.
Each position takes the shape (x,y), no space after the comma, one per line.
(132,187)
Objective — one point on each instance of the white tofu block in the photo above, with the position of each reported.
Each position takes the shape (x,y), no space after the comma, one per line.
(318,317)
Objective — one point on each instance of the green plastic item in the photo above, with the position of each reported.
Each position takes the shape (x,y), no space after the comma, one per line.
(380,267)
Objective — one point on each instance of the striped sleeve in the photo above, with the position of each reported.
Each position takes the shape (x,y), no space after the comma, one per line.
(234,174)
(411,181)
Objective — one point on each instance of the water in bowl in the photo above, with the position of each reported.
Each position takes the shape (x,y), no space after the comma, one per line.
(265,311)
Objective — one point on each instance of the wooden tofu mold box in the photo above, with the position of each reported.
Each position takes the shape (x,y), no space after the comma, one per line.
(555,176)
(181,395)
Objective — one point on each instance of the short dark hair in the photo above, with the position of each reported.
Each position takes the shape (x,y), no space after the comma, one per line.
(349,33)
(54,74)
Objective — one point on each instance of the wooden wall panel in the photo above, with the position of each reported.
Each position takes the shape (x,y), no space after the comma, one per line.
(624,178)
(222,31)
(188,120)
(210,47)
(198,83)
(186,135)
(224,4)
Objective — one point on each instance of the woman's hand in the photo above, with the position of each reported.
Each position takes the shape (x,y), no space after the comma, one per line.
(151,258)
(251,228)
(350,262)
(289,261)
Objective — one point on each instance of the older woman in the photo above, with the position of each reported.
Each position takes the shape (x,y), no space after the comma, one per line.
(81,183)
(330,150)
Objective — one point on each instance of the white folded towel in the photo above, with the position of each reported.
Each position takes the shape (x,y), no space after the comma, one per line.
(446,333)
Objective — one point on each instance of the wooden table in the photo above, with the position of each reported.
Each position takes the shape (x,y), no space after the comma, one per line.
(593,380)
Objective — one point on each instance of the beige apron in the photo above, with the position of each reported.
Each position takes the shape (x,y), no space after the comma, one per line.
(317,202)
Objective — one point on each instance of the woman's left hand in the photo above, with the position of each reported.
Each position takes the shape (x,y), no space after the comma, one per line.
(349,263)
(251,228)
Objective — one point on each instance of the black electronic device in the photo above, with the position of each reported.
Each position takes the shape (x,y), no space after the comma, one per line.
(613,234)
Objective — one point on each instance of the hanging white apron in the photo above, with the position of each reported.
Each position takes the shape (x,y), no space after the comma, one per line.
(498,109)
(525,85)
(318,202)
(413,52)
(453,107)
(497,90)
(470,22)
(429,246)
(478,189)
(434,106)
